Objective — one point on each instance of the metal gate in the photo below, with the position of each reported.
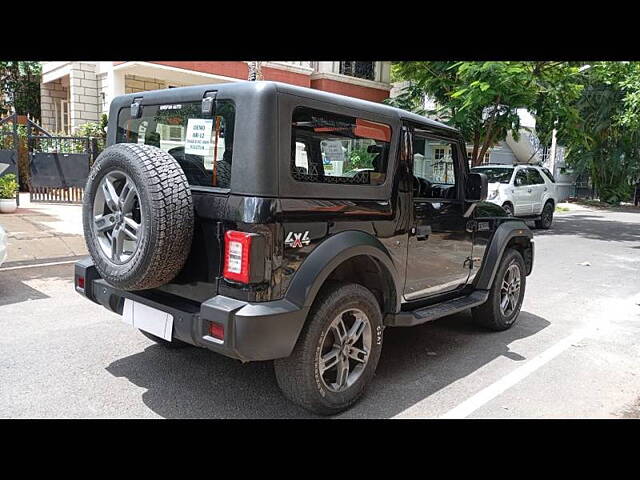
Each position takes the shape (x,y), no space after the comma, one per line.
(59,168)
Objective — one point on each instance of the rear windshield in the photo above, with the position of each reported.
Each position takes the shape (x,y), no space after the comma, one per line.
(191,138)
(495,175)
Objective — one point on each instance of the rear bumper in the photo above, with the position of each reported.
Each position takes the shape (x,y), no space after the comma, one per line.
(253,331)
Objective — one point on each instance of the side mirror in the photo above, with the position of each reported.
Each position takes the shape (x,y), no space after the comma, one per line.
(476,188)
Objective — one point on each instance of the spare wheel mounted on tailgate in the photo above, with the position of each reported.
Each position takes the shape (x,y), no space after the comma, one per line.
(137,216)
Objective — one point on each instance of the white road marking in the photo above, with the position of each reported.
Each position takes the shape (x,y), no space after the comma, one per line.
(476,401)
(6,269)
(473,403)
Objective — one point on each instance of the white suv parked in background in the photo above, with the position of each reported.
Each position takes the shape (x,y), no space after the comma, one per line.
(522,190)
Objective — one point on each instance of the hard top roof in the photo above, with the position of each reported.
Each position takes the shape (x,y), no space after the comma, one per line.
(353,102)
(269,88)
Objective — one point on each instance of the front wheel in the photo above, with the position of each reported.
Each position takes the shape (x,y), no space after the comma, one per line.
(501,309)
(546,218)
(337,352)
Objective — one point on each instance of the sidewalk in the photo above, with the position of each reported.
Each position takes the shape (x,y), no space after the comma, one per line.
(40,232)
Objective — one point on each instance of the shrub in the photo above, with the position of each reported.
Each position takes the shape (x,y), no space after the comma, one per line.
(8,186)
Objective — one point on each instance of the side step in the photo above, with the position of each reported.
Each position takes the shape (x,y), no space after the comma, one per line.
(439,310)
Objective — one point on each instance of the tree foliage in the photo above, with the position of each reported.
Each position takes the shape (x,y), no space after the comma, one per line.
(20,87)
(606,140)
(482,99)
(594,108)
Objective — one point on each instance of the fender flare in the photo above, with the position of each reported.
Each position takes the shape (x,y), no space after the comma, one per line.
(502,236)
(328,255)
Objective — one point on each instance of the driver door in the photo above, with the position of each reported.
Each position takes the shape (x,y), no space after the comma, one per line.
(439,244)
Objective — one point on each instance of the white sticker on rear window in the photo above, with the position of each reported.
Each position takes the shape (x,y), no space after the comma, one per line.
(198,140)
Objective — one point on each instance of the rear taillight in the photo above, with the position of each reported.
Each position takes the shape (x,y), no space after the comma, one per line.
(237,256)
(80,282)
(216,330)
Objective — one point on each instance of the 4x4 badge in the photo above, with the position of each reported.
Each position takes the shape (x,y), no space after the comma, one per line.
(296,240)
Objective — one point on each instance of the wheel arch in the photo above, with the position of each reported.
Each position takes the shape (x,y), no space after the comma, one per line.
(348,256)
(513,234)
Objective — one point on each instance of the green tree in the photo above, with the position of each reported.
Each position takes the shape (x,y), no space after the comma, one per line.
(606,141)
(20,87)
(482,99)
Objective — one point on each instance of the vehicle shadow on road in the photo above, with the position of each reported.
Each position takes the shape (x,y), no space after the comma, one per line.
(594,228)
(14,290)
(415,363)
(420,361)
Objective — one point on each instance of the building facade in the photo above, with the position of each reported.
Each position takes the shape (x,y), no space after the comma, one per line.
(75,93)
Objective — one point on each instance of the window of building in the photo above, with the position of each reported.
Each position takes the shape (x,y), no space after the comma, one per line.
(332,148)
(63,115)
(485,160)
(364,70)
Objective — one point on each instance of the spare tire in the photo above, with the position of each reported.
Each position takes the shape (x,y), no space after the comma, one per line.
(137,216)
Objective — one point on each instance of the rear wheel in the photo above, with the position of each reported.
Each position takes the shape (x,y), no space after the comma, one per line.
(337,352)
(546,218)
(501,309)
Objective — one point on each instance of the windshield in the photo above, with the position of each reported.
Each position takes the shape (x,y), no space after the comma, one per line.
(495,175)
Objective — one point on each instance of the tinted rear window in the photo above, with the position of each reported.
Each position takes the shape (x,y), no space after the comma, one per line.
(331,148)
(191,138)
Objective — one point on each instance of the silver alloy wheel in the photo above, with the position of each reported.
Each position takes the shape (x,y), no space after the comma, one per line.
(510,290)
(117,220)
(344,350)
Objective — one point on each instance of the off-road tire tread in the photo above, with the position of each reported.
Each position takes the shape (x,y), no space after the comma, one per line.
(293,374)
(171,218)
(488,315)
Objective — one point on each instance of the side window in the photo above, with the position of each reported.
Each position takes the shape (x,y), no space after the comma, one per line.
(534,177)
(549,176)
(331,148)
(434,171)
(521,178)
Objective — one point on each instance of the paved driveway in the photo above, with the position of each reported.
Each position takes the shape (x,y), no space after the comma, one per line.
(574,353)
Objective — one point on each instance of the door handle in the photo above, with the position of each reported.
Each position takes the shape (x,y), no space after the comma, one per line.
(423,232)
(529,190)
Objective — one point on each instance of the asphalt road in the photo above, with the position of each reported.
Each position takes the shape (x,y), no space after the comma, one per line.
(575,352)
